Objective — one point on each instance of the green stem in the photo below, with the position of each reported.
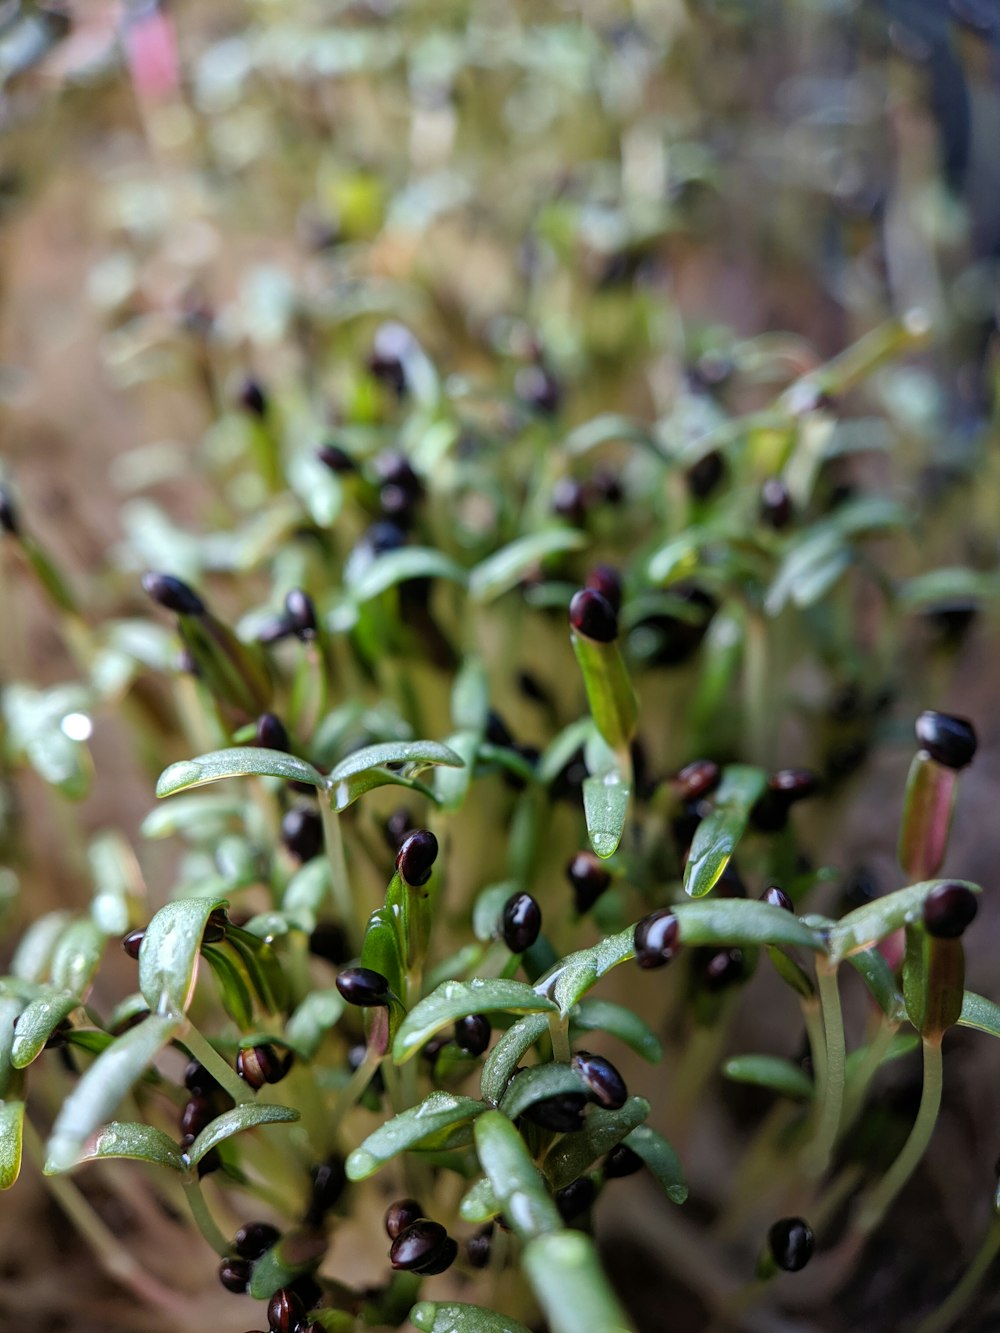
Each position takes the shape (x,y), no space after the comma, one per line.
(857,1086)
(559,1032)
(338,873)
(881,1197)
(832,1103)
(352,1091)
(204,1220)
(205,1053)
(947,1314)
(817,1047)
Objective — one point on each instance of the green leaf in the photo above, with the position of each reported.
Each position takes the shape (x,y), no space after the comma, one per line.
(570,979)
(744,922)
(479,1203)
(574,1153)
(717,835)
(11,1125)
(431,1317)
(77,956)
(770,1071)
(941,586)
(506,1055)
(487,908)
(238,762)
(605,805)
(248,1116)
(412,562)
(200,818)
(611,696)
(116,876)
(565,1273)
(36,1024)
(380,949)
(561,750)
(871,923)
(980,1013)
(661,1160)
(288,1258)
(620,1022)
(439,1112)
(501,571)
(168,955)
(411,755)
(143,1143)
(262,967)
(103,1086)
(313,1019)
(455,999)
(317,487)
(31,961)
(535,1084)
(791,972)
(233,989)
(516,1180)
(609,427)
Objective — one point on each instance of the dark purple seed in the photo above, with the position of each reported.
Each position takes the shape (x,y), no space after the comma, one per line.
(791,1243)
(520,922)
(775,504)
(251,397)
(777,898)
(497,732)
(309,1292)
(255,1238)
(9,519)
(416,857)
(301,613)
(622,1161)
(422,1242)
(562,1113)
(657,938)
(532,688)
(394,469)
(472,1034)
(606,580)
(274,630)
(948,910)
(593,616)
(794,784)
(363,986)
(172,594)
(391,346)
(198,1080)
(606,1085)
(949,740)
(212,1161)
(430,1051)
(215,927)
(588,877)
(131,943)
(400,1215)
(262,1064)
(130,1021)
(271,733)
(608,485)
(569,500)
(398,827)
(705,475)
(444,1260)
(234,1274)
(329,942)
(575,1198)
(697,779)
(477,1247)
(198,1113)
(539,388)
(285,1311)
(383,537)
(327,1183)
(723,968)
(336,459)
(302,833)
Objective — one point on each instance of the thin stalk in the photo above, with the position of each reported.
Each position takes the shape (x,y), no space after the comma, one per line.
(334,837)
(559,1032)
(204,1220)
(881,1197)
(857,1086)
(817,1047)
(831,1106)
(353,1090)
(205,1053)
(112,1255)
(947,1314)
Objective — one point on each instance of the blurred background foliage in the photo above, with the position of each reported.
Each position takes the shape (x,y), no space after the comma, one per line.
(671,211)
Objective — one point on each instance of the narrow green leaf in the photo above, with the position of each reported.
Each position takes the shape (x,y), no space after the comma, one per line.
(605,805)
(487,908)
(570,979)
(412,562)
(610,693)
(233,990)
(248,1116)
(506,1055)
(791,972)
(238,762)
(455,999)
(565,1273)
(262,967)
(871,923)
(103,1086)
(500,572)
(77,956)
(36,1024)
(168,955)
(439,1112)
(620,1022)
(941,586)
(606,428)
(516,1180)
(661,1160)
(535,1084)
(431,1317)
(143,1143)
(200,818)
(770,1071)
(479,1204)
(116,876)
(297,1252)
(313,1019)
(31,960)
(575,1153)
(11,1126)
(980,1013)
(380,949)
(716,837)
(744,922)
(412,755)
